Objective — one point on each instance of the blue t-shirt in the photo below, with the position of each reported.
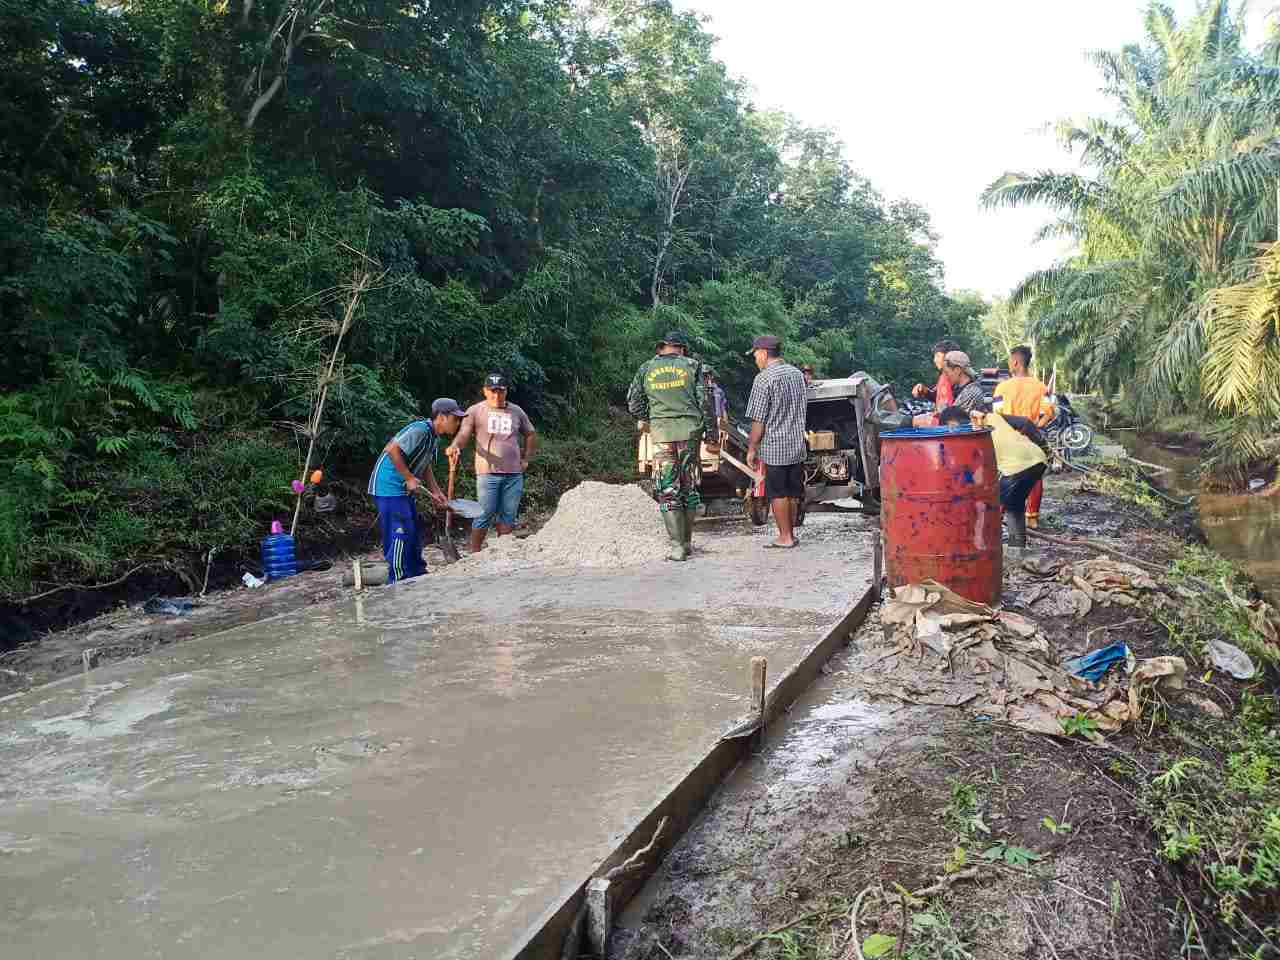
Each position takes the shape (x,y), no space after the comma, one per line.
(418,445)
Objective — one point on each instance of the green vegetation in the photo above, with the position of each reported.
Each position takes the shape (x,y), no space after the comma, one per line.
(187,186)
(1124,482)
(1220,819)
(1166,298)
(1216,608)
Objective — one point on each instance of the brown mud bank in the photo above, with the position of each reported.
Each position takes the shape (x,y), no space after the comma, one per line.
(951,835)
(64,607)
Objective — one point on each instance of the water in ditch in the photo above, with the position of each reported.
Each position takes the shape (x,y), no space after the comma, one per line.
(1244,528)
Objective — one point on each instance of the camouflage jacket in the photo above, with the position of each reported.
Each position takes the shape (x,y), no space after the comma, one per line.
(669,393)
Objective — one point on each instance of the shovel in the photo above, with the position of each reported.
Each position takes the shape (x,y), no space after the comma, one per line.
(450,549)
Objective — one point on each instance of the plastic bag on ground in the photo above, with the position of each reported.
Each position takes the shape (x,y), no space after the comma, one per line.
(1231,659)
(1092,666)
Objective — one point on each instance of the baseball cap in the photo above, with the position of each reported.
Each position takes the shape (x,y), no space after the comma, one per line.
(448,407)
(676,338)
(496,381)
(765,343)
(958,358)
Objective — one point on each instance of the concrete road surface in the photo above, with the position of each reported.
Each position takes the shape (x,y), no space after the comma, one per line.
(419,773)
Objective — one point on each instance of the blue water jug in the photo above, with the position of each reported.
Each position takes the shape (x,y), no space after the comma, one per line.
(279,558)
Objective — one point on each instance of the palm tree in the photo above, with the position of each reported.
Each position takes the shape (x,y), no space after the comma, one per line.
(1179,188)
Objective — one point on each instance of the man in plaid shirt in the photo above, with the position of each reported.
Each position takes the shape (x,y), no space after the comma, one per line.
(776,410)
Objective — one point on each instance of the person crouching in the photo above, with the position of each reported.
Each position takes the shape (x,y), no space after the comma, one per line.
(1019,458)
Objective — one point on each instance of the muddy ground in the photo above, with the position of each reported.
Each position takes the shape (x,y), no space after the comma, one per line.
(127,630)
(1015,844)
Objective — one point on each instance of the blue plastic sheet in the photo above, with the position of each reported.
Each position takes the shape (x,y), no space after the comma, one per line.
(1093,666)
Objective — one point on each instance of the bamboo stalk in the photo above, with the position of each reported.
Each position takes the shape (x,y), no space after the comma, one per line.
(358,287)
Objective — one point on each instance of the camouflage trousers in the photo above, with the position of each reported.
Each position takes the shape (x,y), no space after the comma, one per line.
(675,475)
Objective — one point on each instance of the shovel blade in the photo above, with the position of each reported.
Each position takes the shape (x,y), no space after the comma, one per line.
(449,548)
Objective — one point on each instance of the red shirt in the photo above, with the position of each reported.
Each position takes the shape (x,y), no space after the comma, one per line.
(944,393)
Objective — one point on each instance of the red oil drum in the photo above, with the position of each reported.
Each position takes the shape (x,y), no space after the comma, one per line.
(940,510)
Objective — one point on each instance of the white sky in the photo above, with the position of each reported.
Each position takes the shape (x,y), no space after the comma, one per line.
(936,98)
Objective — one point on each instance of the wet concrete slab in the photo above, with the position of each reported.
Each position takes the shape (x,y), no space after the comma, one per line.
(417,773)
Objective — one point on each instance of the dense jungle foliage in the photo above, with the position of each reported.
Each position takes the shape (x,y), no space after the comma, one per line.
(187,185)
(1172,296)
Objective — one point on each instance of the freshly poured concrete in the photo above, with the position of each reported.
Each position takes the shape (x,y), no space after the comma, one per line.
(419,773)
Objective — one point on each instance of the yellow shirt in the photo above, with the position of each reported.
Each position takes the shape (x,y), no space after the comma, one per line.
(1024,397)
(1014,452)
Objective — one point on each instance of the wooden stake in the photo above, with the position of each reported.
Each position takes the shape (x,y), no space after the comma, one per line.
(599,916)
(877,553)
(356,578)
(759,668)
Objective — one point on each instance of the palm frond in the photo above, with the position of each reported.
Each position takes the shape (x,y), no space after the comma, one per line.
(1241,323)
(1066,228)
(1178,350)
(1039,284)
(1062,191)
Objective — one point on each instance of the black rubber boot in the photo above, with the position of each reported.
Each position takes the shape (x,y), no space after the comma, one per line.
(674,520)
(1017,529)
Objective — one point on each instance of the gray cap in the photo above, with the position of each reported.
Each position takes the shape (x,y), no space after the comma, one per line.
(958,358)
(447,406)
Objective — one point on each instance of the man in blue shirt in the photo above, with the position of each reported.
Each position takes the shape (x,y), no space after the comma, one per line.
(405,462)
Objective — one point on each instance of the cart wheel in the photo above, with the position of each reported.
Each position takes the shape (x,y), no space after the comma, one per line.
(757,509)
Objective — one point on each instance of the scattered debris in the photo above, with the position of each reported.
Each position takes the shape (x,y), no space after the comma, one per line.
(1093,666)
(1229,657)
(169,608)
(252,582)
(1001,665)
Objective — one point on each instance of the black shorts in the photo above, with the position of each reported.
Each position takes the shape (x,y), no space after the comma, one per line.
(785,481)
(1014,489)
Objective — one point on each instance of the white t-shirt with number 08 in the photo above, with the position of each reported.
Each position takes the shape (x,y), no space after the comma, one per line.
(498,432)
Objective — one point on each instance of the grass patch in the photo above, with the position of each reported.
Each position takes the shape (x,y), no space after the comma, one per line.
(1218,610)
(1124,483)
(1217,815)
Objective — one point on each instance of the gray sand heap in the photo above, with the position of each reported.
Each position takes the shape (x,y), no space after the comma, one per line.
(595,525)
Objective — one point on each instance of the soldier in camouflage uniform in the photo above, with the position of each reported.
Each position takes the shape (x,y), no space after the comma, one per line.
(668,397)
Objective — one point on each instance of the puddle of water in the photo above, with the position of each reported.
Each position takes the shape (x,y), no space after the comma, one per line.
(821,738)
(1244,528)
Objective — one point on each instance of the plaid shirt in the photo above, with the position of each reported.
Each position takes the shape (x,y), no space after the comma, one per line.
(778,400)
(970,397)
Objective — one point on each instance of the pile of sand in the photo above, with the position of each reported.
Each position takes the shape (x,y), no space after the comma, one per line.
(595,525)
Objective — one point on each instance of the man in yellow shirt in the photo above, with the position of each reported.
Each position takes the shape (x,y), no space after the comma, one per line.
(1019,458)
(1022,395)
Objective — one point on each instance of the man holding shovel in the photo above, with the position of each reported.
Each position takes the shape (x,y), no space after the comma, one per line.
(399,472)
(498,427)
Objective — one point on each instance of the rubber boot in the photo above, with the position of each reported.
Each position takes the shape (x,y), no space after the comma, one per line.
(674,520)
(1017,529)
(688,531)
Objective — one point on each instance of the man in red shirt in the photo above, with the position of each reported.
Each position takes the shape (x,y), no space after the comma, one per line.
(941,394)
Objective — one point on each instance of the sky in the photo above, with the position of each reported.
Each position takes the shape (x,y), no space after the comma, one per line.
(935,99)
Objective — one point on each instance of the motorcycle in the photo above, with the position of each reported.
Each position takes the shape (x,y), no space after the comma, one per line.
(1067,433)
